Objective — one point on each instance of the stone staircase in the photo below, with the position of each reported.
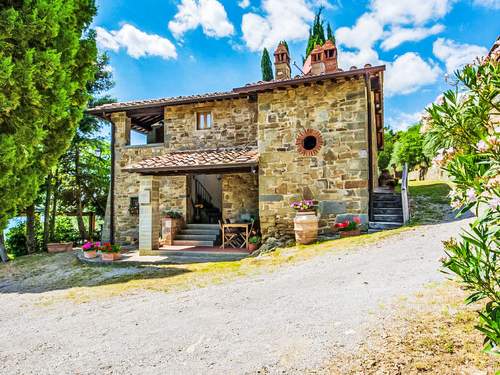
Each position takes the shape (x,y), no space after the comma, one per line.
(387,211)
(198,235)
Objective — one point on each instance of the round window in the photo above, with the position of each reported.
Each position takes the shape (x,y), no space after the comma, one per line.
(309,142)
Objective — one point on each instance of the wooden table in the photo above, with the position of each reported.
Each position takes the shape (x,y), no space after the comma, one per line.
(245,226)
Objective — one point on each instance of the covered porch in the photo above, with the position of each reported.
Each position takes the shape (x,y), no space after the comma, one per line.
(200,190)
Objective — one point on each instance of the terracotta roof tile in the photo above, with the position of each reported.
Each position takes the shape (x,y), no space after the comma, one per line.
(199,159)
(234,93)
(161,101)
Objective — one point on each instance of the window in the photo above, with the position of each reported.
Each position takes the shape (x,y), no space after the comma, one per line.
(203,120)
(133,207)
(309,142)
(330,53)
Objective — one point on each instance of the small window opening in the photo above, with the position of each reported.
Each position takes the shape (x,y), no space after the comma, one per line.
(133,208)
(203,120)
(310,142)
(330,53)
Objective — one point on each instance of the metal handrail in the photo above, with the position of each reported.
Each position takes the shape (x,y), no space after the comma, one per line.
(404,195)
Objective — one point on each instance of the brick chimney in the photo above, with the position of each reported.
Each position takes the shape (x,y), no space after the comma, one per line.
(282,62)
(330,57)
(317,61)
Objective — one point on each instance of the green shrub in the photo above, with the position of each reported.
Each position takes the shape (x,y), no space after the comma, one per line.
(463,131)
(64,231)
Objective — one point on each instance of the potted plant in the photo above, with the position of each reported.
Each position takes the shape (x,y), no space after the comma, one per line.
(110,252)
(90,249)
(253,243)
(348,228)
(59,247)
(171,224)
(305,221)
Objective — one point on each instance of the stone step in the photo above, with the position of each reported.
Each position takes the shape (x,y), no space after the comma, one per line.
(197,237)
(388,211)
(203,226)
(213,232)
(377,225)
(389,218)
(386,197)
(387,204)
(192,243)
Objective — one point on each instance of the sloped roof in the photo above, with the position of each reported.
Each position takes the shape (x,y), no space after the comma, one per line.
(234,93)
(161,101)
(214,159)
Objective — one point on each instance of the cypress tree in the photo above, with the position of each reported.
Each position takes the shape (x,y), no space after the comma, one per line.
(329,33)
(316,33)
(47,57)
(266,66)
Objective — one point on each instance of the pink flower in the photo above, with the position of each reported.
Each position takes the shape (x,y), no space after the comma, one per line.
(494,203)
(482,146)
(87,245)
(456,204)
(471,195)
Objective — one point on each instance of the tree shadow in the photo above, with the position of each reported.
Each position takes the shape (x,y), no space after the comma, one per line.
(52,272)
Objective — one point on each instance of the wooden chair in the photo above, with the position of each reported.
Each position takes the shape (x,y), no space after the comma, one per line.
(231,236)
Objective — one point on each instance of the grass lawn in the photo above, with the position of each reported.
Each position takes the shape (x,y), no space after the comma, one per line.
(429,202)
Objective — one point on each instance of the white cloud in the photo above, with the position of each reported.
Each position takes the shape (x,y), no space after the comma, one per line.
(209,14)
(244,3)
(359,58)
(399,35)
(494,4)
(136,42)
(455,55)
(410,11)
(290,22)
(365,32)
(403,120)
(409,73)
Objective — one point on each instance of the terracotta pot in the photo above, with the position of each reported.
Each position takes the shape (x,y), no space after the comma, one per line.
(306,227)
(90,254)
(350,233)
(59,247)
(252,247)
(109,257)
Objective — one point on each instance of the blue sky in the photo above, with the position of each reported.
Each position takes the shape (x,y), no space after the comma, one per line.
(182,47)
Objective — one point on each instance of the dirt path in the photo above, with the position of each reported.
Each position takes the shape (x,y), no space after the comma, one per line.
(289,320)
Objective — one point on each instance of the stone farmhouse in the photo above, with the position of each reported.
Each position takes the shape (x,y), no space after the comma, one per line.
(249,152)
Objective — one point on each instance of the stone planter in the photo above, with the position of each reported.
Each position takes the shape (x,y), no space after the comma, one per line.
(306,227)
(169,229)
(90,254)
(350,233)
(60,247)
(109,257)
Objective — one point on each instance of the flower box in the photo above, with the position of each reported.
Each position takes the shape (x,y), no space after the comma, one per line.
(350,233)
(60,247)
(110,257)
(90,254)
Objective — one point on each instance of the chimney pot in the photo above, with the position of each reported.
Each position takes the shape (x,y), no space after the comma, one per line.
(282,62)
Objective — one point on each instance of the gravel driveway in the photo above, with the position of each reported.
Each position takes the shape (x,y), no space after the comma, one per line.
(282,322)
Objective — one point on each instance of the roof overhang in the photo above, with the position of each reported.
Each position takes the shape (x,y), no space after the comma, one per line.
(212,161)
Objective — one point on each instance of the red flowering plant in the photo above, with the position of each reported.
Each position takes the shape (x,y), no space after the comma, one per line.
(91,246)
(349,225)
(107,247)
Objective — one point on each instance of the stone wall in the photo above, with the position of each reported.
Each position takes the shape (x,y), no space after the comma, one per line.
(240,195)
(172,189)
(234,123)
(337,175)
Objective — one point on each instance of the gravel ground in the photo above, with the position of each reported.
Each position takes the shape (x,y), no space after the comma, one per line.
(283,322)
